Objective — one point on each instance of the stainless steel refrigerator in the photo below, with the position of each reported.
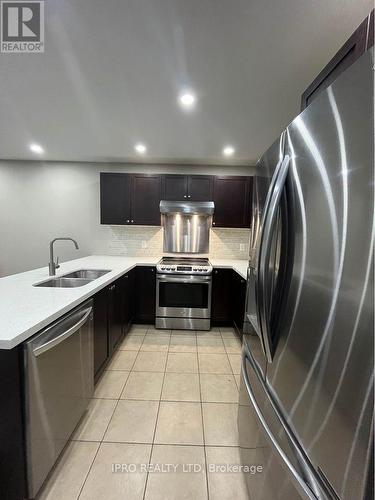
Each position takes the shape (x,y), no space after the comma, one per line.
(306,396)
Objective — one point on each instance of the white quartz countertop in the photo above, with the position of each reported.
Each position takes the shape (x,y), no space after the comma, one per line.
(25,309)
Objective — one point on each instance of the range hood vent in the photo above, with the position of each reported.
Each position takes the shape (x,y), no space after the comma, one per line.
(186,226)
(205,208)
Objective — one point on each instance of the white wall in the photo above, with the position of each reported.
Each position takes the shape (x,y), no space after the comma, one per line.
(40,201)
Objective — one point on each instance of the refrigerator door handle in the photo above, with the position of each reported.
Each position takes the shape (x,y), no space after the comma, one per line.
(302,486)
(270,218)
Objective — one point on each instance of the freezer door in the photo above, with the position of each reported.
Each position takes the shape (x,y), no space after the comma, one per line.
(281,470)
(321,376)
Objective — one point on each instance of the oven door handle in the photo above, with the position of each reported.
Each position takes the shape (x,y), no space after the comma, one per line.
(164,278)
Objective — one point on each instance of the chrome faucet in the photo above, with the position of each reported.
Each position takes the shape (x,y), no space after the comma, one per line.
(52,266)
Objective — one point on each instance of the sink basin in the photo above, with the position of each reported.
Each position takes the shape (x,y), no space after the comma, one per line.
(90,274)
(64,282)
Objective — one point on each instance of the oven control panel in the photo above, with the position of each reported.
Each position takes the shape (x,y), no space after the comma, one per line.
(183,269)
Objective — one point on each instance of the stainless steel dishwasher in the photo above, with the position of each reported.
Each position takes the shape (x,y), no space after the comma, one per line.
(59,381)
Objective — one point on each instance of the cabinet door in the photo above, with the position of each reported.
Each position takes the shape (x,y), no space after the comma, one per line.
(370,32)
(352,49)
(101,347)
(221,307)
(115,313)
(175,187)
(114,198)
(231,198)
(146,196)
(128,292)
(145,294)
(200,187)
(12,439)
(238,301)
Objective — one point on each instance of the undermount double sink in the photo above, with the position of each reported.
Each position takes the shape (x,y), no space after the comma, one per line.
(74,279)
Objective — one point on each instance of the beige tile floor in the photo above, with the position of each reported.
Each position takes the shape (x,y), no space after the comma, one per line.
(166,397)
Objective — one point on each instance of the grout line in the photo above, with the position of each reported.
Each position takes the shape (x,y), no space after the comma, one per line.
(175,400)
(156,421)
(167,444)
(203,433)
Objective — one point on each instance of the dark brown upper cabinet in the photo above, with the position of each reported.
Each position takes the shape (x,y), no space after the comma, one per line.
(133,199)
(146,196)
(130,199)
(115,203)
(200,187)
(232,201)
(175,187)
(188,187)
(361,40)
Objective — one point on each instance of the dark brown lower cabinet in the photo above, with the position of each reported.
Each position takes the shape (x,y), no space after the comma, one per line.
(115,313)
(221,306)
(113,316)
(238,301)
(145,293)
(228,299)
(101,345)
(129,300)
(12,441)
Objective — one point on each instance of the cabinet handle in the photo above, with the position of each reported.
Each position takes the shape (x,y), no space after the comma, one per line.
(132,221)
(127,220)
(189,196)
(185,196)
(213,223)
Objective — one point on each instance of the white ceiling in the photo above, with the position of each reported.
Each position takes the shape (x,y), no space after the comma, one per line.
(112,70)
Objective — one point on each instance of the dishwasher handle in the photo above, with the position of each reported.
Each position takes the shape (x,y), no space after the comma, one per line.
(63,336)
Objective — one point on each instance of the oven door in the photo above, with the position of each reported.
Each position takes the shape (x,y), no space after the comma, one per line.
(185,296)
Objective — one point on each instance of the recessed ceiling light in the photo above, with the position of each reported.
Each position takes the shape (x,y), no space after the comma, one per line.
(228,150)
(187,100)
(140,148)
(36,148)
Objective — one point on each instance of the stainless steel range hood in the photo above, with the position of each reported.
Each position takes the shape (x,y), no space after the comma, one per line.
(186,225)
(204,208)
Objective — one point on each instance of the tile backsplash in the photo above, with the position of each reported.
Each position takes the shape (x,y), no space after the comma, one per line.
(147,241)
(228,243)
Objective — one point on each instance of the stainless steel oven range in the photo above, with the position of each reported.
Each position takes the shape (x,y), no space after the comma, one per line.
(183,293)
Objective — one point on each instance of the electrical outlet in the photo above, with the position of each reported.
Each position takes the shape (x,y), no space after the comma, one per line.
(144,244)
(242,247)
